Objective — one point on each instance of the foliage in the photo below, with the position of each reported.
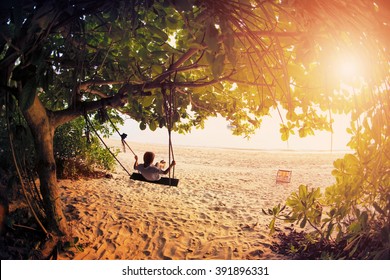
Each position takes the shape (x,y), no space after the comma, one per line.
(278,58)
(21,138)
(70,143)
(354,213)
(77,148)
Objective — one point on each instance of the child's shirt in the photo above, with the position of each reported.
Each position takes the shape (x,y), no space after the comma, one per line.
(150,173)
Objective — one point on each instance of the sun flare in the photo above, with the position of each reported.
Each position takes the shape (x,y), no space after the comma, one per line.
(348,67)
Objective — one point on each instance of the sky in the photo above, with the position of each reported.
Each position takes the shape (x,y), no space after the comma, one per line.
(217,134)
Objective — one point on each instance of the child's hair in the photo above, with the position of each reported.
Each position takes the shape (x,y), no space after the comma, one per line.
(148,158)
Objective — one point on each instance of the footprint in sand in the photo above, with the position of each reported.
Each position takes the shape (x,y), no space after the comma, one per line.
(161,241)
(144,237)
(204,216)
(129,228)
(146,253)
(111,247)
(69,208)
(99,231)
(200,233)
(256,253)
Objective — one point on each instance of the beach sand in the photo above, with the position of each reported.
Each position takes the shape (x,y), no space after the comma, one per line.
(214,213)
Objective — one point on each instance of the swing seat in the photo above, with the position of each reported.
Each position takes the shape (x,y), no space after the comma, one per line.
(163,181)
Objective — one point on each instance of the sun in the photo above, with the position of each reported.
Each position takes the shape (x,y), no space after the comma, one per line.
(347,67)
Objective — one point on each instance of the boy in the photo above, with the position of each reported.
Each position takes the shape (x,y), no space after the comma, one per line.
(151,172)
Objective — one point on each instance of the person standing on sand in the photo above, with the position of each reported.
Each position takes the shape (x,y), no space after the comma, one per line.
(151,172)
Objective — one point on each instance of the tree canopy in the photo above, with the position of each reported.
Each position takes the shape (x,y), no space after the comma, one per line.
(236,58)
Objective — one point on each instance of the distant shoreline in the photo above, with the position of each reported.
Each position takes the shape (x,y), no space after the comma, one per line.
(314,151)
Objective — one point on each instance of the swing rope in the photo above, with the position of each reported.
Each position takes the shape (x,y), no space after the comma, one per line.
(89,124)
(19,168)
(169,109)
(122,135)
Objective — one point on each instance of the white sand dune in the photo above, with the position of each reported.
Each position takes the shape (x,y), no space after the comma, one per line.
(215,213)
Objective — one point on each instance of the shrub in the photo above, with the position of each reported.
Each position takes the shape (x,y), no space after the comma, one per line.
(78,151)
(352,215)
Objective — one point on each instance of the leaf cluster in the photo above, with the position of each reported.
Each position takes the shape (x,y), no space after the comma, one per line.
(72,145)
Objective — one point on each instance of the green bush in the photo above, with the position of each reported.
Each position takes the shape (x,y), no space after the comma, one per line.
(77,152)
(353,215)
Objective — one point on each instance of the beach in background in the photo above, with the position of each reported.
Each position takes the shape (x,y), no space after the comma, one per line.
(214,213)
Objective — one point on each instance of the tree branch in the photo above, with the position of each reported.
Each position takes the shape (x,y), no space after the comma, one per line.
(186,56)
(98,93)
(60,117)
(195,84)
(248,83)
(192,51)
(85,85)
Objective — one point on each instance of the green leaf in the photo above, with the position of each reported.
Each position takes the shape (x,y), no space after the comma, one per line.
(184,5)
(147,101)
(302,132)
(219,86)
(232,57)
(210,57)
(303,222)
(363,219)
(218,65)
(211,38)
(272,226)
(142,125)
(153,126)
(157,31)
(285,132)
(354,227)
(302,191)
(172,22)
(27,97)
(228,41)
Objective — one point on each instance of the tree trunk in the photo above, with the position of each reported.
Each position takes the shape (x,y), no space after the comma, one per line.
(38,119)
(42,124)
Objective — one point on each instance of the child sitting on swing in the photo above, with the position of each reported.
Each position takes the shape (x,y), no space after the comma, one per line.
(151,172)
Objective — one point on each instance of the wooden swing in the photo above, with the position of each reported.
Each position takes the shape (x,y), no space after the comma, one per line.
(163,181)
(169,110)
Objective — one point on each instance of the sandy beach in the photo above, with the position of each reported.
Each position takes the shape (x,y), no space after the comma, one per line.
(214,213)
